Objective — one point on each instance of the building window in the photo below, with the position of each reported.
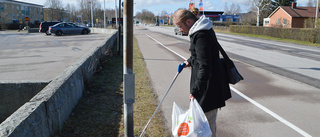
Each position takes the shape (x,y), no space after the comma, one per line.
(1,7)
(278,21)
(285,21)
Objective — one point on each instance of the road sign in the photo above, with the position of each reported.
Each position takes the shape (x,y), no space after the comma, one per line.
(26,18)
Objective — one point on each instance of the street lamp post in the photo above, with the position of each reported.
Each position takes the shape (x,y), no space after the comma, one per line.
(129,93)
(119,29)
(104,13)
(317,10)
(91,14)
(115,10)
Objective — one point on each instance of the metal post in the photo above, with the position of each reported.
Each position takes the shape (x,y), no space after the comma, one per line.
(119,29)
(258,16)
(91,14)
(317,10)
(128,67)
(115,11)
(104,14)
(202,7)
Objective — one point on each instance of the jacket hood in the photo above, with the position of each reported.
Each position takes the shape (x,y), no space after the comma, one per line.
(201,24)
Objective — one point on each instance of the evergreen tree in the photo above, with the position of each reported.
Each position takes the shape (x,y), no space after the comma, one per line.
(276,3)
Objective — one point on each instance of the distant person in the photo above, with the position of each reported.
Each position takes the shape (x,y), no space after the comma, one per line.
(20,28)
(207,85)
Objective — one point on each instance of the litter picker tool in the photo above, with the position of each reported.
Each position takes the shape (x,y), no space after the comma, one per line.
(180,68)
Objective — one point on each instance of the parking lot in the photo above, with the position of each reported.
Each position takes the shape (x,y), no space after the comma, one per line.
(37,57)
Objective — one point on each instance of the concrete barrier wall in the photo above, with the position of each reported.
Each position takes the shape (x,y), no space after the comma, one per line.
(14,94)
(33,30)
(46,112)
(99,30)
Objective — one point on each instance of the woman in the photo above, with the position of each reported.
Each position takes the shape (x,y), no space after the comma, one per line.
(207,85)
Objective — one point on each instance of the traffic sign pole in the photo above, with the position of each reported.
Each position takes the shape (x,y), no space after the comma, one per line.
(27,20)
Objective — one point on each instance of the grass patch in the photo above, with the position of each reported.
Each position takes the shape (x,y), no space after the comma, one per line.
(100,111)
(145,100)
(272,38)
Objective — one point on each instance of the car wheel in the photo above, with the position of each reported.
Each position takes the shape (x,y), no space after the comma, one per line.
(47,32)
(84,31)
(59,33)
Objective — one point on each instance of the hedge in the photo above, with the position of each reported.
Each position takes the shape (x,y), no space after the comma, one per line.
(303,34)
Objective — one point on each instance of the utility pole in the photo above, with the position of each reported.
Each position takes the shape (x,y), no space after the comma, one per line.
(258,16)
(317,10)
(115,10)
(91,14)
(119,28)
(129,83)
(104,14)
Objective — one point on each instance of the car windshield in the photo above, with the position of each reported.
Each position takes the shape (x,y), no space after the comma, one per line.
(60,25)
(72,25)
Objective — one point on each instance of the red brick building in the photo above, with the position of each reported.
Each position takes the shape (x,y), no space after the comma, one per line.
(290,16)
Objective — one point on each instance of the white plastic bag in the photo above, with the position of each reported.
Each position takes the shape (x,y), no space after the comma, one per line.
(190,123)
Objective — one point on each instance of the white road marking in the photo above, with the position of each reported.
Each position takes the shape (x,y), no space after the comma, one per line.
(167,47)
(297,129)
(271,113)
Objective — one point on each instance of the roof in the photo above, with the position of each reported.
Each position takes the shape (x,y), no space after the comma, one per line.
(211,12)
(21,2)
(298,12)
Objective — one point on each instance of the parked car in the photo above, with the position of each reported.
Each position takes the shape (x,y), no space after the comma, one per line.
(68,28)
(44,26)
(176,31)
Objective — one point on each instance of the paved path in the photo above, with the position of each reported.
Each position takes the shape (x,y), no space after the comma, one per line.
(37,57)
(266,103)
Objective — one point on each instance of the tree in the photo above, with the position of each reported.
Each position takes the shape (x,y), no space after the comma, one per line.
(260,5)
(85,8)
(72,10)
(145,15)
(310,3)
(276,3)
(233,9)
(248,18)
(56,7)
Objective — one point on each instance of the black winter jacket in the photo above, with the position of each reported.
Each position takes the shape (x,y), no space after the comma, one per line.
(208,84)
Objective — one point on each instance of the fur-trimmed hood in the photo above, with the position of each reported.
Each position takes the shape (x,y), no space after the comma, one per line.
(201,24)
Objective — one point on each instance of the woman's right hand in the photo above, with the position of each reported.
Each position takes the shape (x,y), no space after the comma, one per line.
(191,96)
(187,64)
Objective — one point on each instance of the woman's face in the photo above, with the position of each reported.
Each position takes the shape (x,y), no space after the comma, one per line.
(183,26)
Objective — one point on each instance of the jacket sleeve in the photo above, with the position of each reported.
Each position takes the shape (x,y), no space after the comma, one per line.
(203,47)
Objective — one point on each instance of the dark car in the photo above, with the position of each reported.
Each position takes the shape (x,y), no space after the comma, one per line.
(44,26)
(67,28)
(176,31)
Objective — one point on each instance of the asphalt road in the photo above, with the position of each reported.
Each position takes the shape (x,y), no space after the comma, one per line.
(37,57)
(280,95)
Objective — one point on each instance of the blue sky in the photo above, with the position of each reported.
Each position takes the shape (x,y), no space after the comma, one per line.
(156,6)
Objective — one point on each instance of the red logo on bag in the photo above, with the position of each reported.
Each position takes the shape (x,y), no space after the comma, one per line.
(183,129)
